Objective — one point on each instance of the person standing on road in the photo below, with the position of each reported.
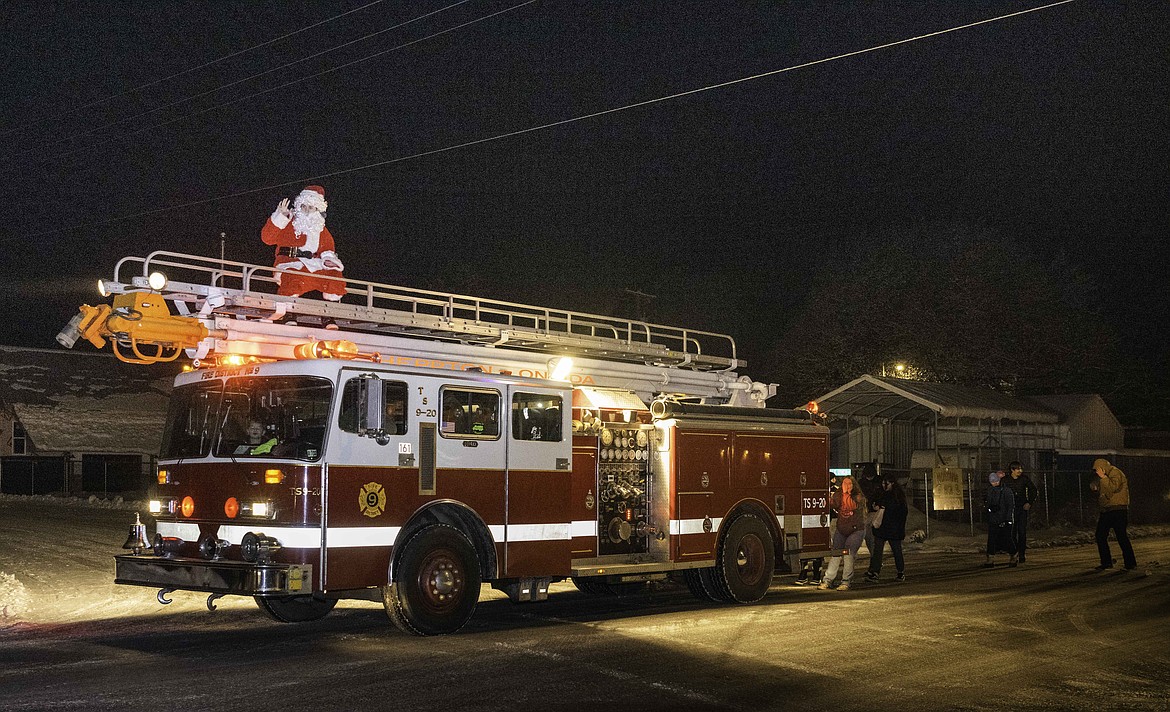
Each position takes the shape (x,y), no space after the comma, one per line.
(871,488)
(1024,492)
(810,569)
(1001,507)
(847,534)
(1112,490)
(892,504)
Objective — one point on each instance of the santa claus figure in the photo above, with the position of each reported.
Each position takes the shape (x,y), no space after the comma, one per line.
(304,247)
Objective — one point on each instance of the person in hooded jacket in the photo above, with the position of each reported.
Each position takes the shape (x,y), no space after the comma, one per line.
(1001,508)
(1025,493)
(892,503)
(1112,490)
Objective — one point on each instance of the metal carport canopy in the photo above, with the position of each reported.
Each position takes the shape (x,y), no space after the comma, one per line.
(900,399)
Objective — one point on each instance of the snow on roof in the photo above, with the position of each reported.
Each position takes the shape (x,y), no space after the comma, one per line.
(123,424)
(42,376)
(85,402)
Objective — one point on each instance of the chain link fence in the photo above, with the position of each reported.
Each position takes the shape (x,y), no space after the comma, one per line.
(96,474)
(1063,500)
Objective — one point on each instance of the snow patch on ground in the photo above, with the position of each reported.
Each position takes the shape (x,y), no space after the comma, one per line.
(13,600)
(91,501)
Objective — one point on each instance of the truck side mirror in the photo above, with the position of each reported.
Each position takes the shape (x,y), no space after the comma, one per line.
(370,411)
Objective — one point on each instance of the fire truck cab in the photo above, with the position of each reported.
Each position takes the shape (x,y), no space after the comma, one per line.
(410,463)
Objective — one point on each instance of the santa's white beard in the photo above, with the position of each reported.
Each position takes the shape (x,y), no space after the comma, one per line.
(309,225)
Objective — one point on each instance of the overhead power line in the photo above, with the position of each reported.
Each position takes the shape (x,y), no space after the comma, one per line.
(553,124)
(294,82)
(190,69)
(202,94)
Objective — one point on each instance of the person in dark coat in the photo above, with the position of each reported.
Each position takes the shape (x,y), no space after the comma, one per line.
(871,487)
(1001,508)
(1024,492)
(892,504)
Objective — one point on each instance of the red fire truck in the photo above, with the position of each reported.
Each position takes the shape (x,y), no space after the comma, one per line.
(435,442)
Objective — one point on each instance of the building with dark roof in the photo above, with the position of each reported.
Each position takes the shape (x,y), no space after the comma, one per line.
(928,433)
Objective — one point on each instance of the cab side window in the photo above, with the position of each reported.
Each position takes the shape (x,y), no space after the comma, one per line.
(393,407)
(536,417)
(470,414)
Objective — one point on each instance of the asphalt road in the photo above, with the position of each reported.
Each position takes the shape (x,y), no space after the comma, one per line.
(1049,635)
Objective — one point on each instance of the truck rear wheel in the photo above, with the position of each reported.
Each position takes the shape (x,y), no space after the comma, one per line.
(600,587)
(436,582)
(295,609)
(746,560)
(590,586)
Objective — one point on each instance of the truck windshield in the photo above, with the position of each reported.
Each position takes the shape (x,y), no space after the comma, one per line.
(274,416)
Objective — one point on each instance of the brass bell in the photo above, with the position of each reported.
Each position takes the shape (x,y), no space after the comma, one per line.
(136,541)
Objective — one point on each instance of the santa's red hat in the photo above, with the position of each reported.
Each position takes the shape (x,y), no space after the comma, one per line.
(313,195)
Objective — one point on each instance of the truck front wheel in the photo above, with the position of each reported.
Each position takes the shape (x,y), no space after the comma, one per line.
(436,582)
(295,609)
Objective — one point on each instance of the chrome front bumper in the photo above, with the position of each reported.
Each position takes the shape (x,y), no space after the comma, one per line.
(223,577)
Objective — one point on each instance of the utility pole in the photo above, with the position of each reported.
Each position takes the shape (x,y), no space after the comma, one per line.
(641,303)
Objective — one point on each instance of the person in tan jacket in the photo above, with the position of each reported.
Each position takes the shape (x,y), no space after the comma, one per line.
(1112,490)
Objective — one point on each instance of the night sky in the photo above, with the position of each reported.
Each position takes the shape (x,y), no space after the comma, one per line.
(1049,127)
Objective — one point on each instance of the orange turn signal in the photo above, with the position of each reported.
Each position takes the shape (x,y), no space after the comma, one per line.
(231,507)
(163,477)
(188,506)
(273,477)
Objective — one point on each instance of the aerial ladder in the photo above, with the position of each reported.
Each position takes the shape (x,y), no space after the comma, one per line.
(220,312)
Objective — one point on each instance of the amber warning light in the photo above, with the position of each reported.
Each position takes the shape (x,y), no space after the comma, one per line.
(339,348)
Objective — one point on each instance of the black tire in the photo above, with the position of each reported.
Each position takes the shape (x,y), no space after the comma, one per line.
(590,586)
(600,587)
(436,582)
(746,560)
(295,609)
(702,585)
(631,588)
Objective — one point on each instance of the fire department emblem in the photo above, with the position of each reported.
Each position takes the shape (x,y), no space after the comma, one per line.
(372,499)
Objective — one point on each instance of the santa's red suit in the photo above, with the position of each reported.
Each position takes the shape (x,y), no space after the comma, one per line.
(304,247)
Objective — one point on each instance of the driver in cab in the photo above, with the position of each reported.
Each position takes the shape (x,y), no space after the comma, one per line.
(256,443)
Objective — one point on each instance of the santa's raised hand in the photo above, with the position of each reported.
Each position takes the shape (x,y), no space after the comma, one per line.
(283,210)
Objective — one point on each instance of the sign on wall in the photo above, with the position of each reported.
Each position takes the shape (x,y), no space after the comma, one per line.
(947,492)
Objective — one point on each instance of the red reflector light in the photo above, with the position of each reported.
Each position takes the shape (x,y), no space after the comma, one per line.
(231,507)
(188,506)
